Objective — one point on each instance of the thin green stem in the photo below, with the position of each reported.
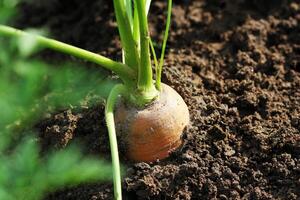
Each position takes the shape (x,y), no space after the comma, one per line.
(124,72)
(109,117)
(136,28)
(147,3)
(128,43)
(154,55)
(145,70)
(161,62)
(128,5)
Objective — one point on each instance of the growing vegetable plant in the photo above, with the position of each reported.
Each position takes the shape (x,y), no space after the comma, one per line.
(149,115)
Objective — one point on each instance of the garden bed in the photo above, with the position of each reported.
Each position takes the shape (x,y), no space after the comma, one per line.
(237,66)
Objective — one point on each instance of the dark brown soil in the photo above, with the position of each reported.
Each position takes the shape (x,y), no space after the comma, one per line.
(236,64)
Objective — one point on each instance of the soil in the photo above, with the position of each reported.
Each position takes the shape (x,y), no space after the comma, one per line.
(237,66)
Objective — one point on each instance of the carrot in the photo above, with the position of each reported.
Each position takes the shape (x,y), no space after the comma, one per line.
(152,132)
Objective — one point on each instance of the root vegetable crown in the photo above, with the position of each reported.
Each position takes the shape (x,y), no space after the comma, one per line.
(154,131)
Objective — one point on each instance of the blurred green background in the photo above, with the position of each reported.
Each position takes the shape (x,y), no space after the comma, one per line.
(30,88)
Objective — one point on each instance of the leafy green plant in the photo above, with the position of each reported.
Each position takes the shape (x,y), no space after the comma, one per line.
(27,89)
(24,175)
(147,105)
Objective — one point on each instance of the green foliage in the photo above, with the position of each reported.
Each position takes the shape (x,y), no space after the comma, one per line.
(24,175)
(7,10)
(30,88)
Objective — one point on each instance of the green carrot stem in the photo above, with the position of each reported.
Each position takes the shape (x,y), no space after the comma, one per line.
(125,31)
(136,28)
(145,70)
(161,62)
(109,117)
(124,72)
(154,55)
(129,12)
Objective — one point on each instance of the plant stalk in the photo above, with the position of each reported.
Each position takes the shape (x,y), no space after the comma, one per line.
(125,31)
(109,117)
(166,34)
(136,28)
(145,71)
